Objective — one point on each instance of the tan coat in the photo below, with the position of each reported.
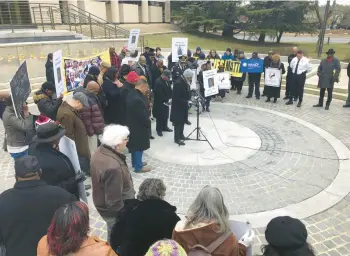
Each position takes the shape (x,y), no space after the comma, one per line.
(93,246)
(204,234)
(111,181)
(75,128)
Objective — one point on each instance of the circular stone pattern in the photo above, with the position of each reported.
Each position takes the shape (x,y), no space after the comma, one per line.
(222,135)
(281,172)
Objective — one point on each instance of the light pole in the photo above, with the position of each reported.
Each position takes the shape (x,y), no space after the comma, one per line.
(323,29)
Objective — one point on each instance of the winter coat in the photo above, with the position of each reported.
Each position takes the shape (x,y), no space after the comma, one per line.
(272,91)
(26,211)
(240,78)
(170,62)
(141,224)
(111,181)
(19,132)
(217,56)
(267,62)
(227,57)
(112,111)
(49,72)
(92,116)
(328,73)
(156,73)
(46,105)
(137,119)
(147,73)
(162,94)
(124,92)
(115,61)
(75,128)
(57,169)
(92,246)
(179,104)
(179,69)
(204,234)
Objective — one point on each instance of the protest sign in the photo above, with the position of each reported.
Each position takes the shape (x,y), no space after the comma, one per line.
(75,70)
(252,65)
(133,39)
(67,147)
(273,77)
(193,85)
(200,64)
(223,80)
(239,228)
(209,82)
(20,89)
(129,61)
(57,62)
(179,47)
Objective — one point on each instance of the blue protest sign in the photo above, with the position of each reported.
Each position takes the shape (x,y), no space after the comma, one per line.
(252,65)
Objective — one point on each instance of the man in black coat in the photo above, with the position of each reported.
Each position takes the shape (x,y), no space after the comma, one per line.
(267,63)
(47,105)
(289,78)
(128,86)
(162,94)
(138,121)
(347,104)
(143,69)
(179,105)
(26,210)
(157,70)
(57,169)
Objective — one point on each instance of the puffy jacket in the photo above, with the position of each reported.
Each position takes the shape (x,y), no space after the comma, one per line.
(228,57)
(19,132)
(46,105)
(92,116)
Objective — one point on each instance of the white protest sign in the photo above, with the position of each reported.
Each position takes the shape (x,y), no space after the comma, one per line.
(193,85)
(133,39)
(239,229)
(223,80)
(129,61)
(67,147)
(58,72)
(210,86)
(179,47)
(273,77)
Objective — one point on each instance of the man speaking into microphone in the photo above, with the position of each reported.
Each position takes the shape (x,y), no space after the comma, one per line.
(179,105)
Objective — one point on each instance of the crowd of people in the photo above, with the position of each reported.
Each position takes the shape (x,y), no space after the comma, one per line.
(111,113)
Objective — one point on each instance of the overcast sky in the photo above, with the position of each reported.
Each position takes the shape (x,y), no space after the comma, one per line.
(343,2)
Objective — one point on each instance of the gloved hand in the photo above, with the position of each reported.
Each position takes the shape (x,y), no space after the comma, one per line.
(248,238)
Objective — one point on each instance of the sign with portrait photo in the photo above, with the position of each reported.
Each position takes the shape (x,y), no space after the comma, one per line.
(223,80)
(273,77)
(210,83)
(179,47)
(58,73)
(20,89)
(133,39)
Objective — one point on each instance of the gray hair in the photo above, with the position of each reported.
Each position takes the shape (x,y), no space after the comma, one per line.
(209,207)
(151,189)
(114,135)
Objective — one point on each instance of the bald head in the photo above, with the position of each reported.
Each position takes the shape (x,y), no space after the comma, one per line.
(93,86)
(294,50)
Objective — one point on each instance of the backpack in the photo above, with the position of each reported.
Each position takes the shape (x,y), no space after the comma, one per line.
(200,250)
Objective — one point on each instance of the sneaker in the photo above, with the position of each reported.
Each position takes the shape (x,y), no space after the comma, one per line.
(144,169)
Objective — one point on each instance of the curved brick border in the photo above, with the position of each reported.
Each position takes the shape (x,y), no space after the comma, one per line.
(330,196)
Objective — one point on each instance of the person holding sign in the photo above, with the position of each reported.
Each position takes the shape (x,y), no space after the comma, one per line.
(213,55)
(19,130)
(299,66)
(254,80)
(205,67)
(179,105)
(238,81)
(273,78)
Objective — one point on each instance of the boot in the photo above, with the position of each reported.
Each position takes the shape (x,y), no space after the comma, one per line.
(327,107)
(275,100)
(180,143)
(299,104)
(249,96)
(319,105)
(289,102)
(268,100)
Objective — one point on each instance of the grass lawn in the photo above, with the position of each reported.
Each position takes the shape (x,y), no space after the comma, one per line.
(209,41)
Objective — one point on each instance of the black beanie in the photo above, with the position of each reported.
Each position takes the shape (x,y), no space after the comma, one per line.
(286,233)
(125,69)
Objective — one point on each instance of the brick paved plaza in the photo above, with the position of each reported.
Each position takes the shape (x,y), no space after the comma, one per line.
(269,159)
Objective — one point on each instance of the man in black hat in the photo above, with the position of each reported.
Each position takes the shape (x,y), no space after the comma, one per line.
(26,209)
(47,104)
(57,169)
(328,73)
(162,94)
(287,236)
